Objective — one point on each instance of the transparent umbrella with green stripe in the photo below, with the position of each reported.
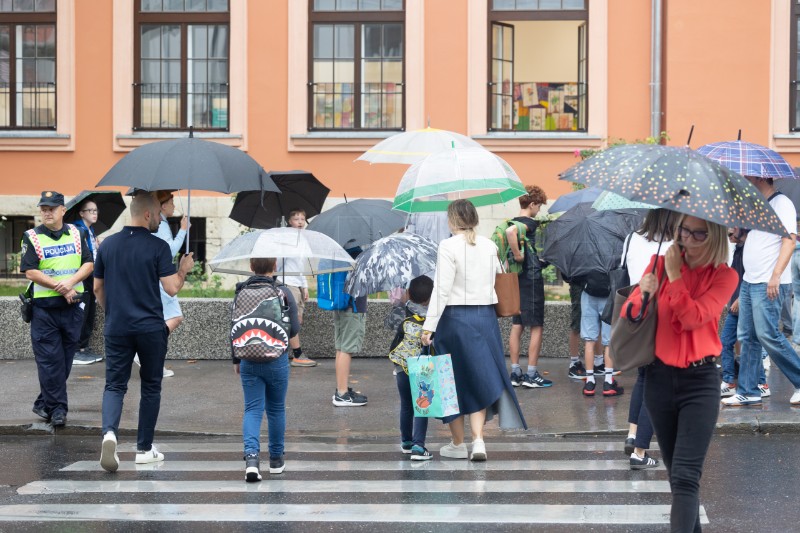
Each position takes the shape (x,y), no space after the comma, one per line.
(474,174)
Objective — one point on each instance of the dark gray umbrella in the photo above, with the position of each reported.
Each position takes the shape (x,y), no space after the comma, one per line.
(566,202)
(791,188)
(583,240)
(391,262)
(192,164)
(110,206)
(359,222)
(263,210)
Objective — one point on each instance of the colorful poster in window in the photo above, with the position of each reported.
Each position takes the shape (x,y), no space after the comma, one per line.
(543,106)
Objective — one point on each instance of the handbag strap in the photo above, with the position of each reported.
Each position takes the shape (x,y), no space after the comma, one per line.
(625,249)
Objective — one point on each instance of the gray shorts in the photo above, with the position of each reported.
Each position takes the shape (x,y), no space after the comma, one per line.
(349,329)
(298,299)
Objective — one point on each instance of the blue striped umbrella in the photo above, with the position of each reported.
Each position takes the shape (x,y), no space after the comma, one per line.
(749,159)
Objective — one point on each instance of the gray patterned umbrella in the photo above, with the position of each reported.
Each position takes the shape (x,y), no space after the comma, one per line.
(391,262)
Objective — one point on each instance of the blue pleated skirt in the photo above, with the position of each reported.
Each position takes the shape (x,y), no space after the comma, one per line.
(471,335)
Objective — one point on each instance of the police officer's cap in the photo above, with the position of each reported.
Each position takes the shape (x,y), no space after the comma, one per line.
(51,198)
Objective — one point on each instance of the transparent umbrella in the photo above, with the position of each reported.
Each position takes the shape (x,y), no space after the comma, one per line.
(311,252)
(474,174)
(413,146)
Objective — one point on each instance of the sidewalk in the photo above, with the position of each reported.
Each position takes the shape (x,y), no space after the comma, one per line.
(205,397)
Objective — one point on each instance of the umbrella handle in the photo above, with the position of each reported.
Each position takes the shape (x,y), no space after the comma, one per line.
(640,316)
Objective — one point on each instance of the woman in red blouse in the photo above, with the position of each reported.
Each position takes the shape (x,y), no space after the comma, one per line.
(682,391)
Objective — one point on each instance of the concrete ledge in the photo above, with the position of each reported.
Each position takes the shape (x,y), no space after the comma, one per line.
(203,334)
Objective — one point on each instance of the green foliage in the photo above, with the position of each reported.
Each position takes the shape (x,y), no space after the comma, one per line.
(586,153)
(201,286)
(549,274)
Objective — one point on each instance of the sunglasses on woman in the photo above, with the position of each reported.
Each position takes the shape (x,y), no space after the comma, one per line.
(697,235)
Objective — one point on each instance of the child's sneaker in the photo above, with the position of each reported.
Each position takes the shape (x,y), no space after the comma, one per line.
(612,389)
(251,464)
(516,379)
(406,446)
(536,381)
(577,371)
(349,399)
(588,388)
(765,392)
(419,453)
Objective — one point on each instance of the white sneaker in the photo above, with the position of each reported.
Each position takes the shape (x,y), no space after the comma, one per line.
(167,372)
(795,400)
(109,459)
(739,400)
(727,389)
(765,392)
(766,363)
(152,456)
(454,452)
(478,450)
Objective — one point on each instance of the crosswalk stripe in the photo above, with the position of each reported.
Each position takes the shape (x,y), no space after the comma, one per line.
(354,466)
(342,486)
(315,447)
(386,513)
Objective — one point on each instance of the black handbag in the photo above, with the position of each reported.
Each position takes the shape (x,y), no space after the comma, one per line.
(618,278)
(26,307)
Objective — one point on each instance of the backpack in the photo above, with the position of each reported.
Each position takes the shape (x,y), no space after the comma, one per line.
(406,343)
(504,253)
(330,292)
(260,324)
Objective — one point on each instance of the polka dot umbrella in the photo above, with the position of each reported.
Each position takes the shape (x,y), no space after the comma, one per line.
(678,179)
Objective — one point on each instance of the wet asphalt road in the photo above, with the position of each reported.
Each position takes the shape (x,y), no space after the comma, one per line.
(750,483)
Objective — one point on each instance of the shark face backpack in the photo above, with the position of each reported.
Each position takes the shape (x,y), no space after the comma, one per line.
(260,322)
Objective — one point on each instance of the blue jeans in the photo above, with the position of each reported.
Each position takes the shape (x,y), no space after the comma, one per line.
(264,386)
(412,428)
(120,349)
(728,339)
(758,323)
(796,291)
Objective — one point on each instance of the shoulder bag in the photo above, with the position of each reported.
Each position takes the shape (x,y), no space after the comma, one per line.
(506,285)
(633,343)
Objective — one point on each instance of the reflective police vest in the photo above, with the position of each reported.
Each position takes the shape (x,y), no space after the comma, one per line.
(58,259)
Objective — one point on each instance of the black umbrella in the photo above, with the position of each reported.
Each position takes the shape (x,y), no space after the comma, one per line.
(263,210)
(359,222)
(678,179)
(583,240)
(110,206)
(189,163)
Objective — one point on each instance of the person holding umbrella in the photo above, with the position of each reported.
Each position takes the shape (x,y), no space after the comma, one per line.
(693,283)
(298,286)
(88,212)
(172,308)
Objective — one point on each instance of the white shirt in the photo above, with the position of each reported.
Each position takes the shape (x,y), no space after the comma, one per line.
(464,276)
(761,249)
(290,264)
(165,233)
(640,251)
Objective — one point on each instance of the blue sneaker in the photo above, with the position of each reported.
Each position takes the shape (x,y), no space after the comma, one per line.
(535,381)
(419,453)
(406,446)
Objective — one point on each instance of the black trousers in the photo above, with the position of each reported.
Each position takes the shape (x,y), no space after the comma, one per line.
(683,404)
(88,312)
(54,336)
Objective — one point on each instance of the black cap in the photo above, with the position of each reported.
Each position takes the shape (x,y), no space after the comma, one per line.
(51,198)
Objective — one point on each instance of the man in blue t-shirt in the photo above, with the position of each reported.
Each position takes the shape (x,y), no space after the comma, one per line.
(127,272)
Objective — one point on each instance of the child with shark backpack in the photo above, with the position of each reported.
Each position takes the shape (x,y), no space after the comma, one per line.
(263,319)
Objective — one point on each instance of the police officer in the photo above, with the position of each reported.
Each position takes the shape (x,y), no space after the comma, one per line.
(56,259)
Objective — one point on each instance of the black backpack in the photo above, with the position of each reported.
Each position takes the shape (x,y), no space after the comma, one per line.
(260,324)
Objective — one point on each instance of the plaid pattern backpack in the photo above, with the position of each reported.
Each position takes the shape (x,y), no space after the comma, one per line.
(260,325)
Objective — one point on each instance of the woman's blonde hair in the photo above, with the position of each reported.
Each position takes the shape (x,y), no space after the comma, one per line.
(716,244)
(463,216)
